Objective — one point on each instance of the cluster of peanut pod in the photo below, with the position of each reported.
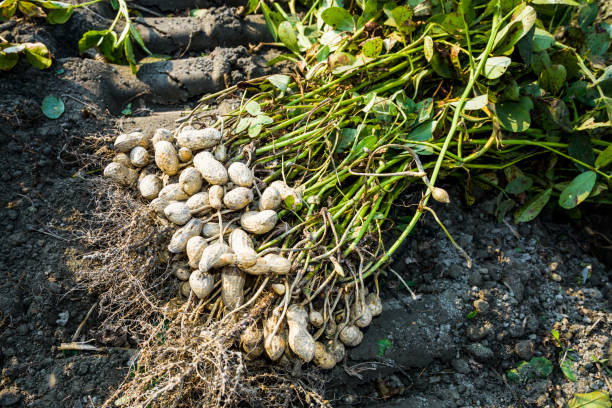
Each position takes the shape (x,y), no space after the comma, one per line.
(220,212)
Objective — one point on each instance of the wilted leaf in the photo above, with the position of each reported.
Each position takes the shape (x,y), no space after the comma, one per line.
(52,107)
(595,399)
(532,208)
(513,116)
(496,66)
(428,48)
(554,2)
(578,190)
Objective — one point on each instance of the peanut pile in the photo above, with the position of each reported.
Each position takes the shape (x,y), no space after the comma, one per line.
(221,212)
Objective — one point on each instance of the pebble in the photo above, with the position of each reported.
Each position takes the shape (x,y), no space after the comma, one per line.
(461,366)
(481,305)
(479,332)
(8,398)
(474,278)
(480,352)
(524,349)
(556,277)
(63,318)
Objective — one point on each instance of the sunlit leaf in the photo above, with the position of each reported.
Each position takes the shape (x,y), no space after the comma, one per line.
(496,66)
(372,47)
(513,116)
(280,81)
(287,34)
(594,399)
(38,55)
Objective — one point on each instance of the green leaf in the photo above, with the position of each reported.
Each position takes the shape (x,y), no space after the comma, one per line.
(423,132)
(441,65)
(372,47)
(587,14)
(467,11)
(287,35)
(532,208)
(519,185)
(513,116)
(38,55)
(263,119)
(280,81)
(594,399)
(59,15)
(91,39)
(255,129)
(542,366)
(198,13)
(597,39)
(496,66)
(553,78)
(555,2)
(604,158)
(136,36)
(578,190)
(253,108)
(566,368)
(242,125)
(52,106)
(347,136)
(383,345)
(580,148)
(338,18)
(8,61)
(542,40)
(129,55)
(401,18)
(128,110)
(511,33)
(540,61)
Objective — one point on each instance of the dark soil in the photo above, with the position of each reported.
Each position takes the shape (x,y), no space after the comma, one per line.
(526,280)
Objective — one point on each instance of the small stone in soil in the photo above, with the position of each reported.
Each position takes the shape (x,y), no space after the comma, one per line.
(480,352)
(481,305)
(524,349)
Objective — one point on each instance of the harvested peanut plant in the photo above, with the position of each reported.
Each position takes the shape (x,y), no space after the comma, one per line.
(277,210)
